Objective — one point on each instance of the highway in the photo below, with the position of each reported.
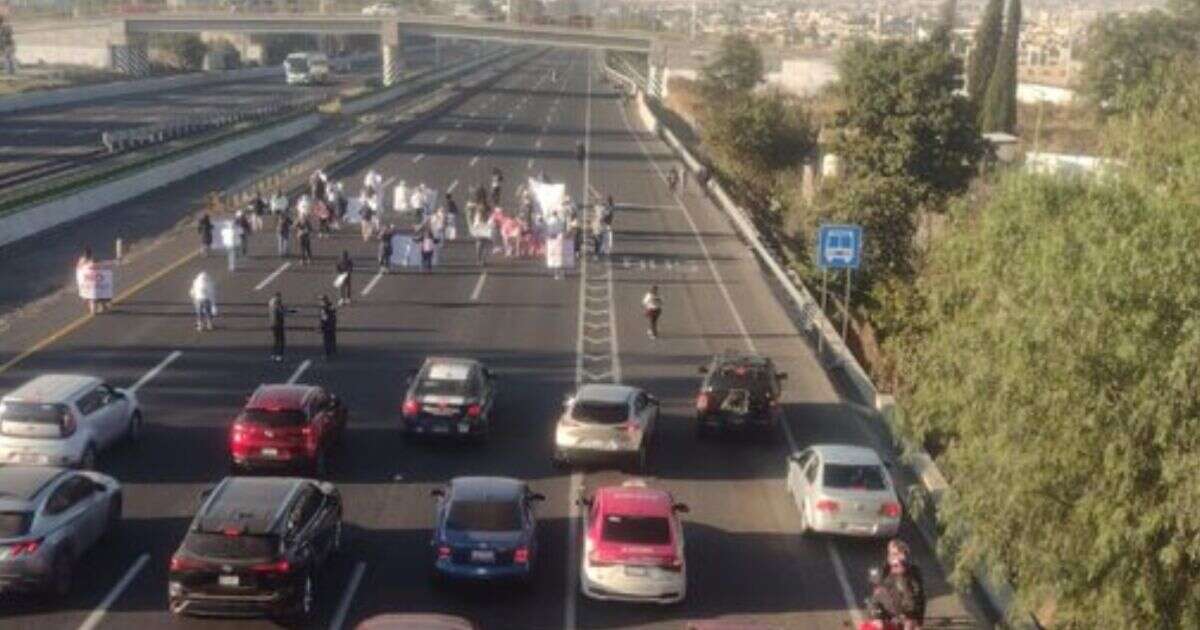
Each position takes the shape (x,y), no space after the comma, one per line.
(745,559)
(41,142)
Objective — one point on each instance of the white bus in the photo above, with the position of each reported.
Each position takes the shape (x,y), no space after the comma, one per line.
(306,68)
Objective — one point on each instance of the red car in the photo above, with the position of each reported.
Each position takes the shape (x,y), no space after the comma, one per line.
(287,426)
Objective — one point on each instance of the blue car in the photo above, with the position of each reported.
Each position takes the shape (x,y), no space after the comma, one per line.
(485,530)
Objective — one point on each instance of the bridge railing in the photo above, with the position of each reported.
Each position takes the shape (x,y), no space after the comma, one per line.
(184,126)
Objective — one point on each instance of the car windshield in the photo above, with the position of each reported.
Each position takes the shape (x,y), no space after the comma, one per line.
(33,413)
(273,417)
(636,530)
(298,64)
(14,524)
(600,413)
(217,545)
(856,477)
(741,377)
(484,516)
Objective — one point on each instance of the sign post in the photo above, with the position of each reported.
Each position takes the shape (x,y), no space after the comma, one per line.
(838,247)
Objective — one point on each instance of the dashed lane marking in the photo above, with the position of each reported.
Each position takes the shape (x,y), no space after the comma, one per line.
(478,287)
(271,278)
(418,158)
(154,371)
(93,620)
(339,618)
(474,161)
(453,185)
(300,370)
(490,140)
(440,139)
(371,285)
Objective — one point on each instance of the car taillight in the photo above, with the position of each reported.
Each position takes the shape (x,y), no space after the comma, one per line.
(672,563)
(702,402)
(891,509)
(67,425)
(279,566)
(182,563)
(443,552)
(521,555)
(238,434)
(410,408)
(26,548)
(826,505)
(473,411)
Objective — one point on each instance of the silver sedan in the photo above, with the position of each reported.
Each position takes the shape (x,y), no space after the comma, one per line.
(49,517)
(843,490)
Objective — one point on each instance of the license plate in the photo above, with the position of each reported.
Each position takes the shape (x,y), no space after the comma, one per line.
(229,580)
(593,444)
(270,452)
(463,427)
(636,571)
(441,428)
(31,458)
(483,556)
(441,411)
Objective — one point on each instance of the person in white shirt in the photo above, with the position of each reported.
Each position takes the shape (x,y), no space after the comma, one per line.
(204,300)
(303,208)
(400,198)
(279,203)
(652,305)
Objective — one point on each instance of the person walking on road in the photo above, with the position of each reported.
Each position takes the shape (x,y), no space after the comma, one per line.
(283,232)
(345,270)
(241,226)
(428,244)
(276,318)
(652,306)
(385,248)
(580,152)
(279,203)
(481,231)
(451,217)
(304,238)
(327,322)
(672,179)
(258,208)
(204,300)
(205,227)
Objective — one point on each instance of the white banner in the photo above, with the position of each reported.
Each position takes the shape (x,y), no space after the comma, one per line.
(95,281)
(399,248)
(227,233)
(547,198)
(560,252)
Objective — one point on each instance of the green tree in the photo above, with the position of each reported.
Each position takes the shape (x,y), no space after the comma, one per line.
(1000,102)
(757,135)
(1128,58)
(738,67)
(186,48)
(943,32)
(987,49)
(903,119)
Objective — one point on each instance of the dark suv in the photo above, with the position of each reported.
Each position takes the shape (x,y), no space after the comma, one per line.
(287,426)
(740,392)
(256,548)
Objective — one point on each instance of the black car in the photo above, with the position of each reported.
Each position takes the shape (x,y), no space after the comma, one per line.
(740,392)
(449,397)
(256,547)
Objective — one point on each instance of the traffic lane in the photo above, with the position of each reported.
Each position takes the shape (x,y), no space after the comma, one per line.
(820,413)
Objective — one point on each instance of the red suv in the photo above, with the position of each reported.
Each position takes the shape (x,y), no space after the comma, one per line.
(287,426)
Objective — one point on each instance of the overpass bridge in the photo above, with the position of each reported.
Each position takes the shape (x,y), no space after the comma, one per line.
(126,37)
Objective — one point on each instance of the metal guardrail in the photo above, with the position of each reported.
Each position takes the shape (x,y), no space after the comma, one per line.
(184,126)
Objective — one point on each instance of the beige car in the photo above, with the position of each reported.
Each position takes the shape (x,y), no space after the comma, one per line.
(606,422)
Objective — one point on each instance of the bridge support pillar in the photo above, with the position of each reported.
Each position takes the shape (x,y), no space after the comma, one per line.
(391,53)
(128,52)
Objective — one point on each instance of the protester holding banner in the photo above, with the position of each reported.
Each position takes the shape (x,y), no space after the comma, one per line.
(94,280)
(204,300)
(345,269)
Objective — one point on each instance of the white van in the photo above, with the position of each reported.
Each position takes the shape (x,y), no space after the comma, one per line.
(306,68)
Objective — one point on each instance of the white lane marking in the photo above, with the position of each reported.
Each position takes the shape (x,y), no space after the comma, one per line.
(474,161)
(839,568)
(299,372)
(529,164)
(274,274)
(441,139)
(458,125)
(339,618)
(453,185)
(478,287)
(538,144)
(154,371)
(93,620)
(371,285)
(418,158)
(490,140)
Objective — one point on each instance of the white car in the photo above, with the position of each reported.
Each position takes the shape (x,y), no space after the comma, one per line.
(844,490)
(65,420)
(380,9)
(606,422)
(633,547)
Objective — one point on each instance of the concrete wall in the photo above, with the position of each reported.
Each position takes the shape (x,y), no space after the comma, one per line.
(80,46)
(36,219)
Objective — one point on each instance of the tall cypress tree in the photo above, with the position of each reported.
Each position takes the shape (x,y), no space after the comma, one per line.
(1000,101)
(943,33)
(987,48)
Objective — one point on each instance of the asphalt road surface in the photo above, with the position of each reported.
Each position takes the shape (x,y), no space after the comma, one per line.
(745,559)
(57,138)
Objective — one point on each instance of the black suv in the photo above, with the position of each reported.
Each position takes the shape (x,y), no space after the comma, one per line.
(740,392)
(256,548)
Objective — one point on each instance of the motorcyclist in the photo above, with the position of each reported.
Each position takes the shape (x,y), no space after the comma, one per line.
(900,588)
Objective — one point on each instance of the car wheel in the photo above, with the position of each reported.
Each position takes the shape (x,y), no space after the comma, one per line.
(88,460)
(62,575)
(134,433)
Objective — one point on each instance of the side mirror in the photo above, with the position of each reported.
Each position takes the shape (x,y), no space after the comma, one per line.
(681,508)
(703,369)
(438,493)
(537,496)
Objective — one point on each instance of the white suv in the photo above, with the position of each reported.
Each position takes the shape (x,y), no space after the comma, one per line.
(65,420)
(606,422)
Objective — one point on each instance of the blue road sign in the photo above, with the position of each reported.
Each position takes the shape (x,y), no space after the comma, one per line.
(839,247)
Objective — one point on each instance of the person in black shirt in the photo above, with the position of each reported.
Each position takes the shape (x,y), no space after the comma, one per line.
(277,320)
(304,236)
(345,266)
(205,228)
(328,325)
